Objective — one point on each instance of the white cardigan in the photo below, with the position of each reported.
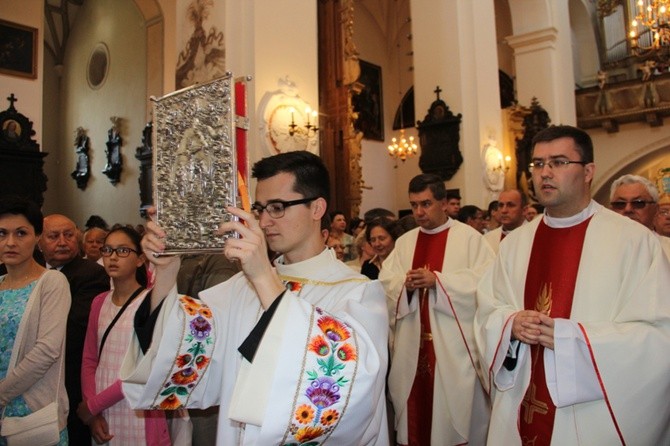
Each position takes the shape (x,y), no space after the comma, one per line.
(41,350)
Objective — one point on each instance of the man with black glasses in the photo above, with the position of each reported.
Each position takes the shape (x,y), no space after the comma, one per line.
(636,197)
(573,320)
(295,352)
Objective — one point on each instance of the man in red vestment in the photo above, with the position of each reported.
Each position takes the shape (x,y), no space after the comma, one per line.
(573,315)
(430,280)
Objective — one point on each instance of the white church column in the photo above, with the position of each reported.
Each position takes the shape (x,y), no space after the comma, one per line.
(543,56)
(455,47)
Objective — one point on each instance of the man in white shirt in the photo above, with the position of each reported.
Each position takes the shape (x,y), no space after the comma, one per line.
(511,204)
(573,320)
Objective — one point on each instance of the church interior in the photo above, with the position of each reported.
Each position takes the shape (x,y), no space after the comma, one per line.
(457,85)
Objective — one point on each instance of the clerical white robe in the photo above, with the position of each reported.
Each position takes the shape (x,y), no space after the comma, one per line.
(609,373)
(457,390)
(318,373)
(665,244)
(493,238)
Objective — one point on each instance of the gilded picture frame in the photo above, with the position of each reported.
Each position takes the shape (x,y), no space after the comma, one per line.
(18,50)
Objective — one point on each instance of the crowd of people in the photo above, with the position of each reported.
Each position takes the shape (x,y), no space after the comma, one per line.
(525,323)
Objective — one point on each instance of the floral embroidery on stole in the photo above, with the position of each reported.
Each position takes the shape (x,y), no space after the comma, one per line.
(192,358)
(328,373)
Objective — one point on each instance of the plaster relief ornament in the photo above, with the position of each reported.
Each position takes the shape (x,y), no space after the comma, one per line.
(283,112)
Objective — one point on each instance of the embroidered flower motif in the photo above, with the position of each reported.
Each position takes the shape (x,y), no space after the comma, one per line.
(319,346)
(333,329)
(194,353)
(329,417)
(205,312)
(170,403)
(200,328)
(347,352)
(190,305)
(295,287)
(201,361)
(308,433)
(185,376)
(331,348)
(304,414)
(323,392)
(183,360)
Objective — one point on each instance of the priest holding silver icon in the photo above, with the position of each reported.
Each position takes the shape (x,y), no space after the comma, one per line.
(294,351)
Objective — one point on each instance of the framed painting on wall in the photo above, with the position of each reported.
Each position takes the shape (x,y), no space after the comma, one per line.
(18,50)
(368,103)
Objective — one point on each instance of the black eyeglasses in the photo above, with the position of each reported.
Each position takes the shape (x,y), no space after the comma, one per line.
(277,208)
(121,251)
(538,165)
(635,204)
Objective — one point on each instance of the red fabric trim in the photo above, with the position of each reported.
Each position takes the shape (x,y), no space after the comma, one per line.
(602,385)
(472,361)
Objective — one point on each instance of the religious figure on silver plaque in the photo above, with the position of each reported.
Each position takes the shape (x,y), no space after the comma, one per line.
(195,165)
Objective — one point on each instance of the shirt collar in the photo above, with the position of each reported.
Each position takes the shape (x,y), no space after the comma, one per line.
(586,213)
(448,224)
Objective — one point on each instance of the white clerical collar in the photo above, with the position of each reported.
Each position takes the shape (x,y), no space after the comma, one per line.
(586,213)
(307,268)
(449,223)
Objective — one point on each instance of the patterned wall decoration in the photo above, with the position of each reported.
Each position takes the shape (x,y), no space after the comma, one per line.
(203,55)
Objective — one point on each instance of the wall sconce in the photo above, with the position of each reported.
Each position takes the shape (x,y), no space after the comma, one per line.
(503,164)
(310,129)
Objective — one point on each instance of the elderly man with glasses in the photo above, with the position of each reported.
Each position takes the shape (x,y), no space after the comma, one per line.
(573,320)
(636,197)
(60,246)
(294,352)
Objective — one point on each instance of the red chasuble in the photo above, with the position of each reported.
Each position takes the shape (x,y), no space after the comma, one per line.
(550,285)
(429,254)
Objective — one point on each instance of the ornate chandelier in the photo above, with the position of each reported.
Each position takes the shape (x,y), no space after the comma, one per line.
(402,147)
(650,29)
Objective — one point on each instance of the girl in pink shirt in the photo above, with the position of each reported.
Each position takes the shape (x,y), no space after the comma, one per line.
(104,408)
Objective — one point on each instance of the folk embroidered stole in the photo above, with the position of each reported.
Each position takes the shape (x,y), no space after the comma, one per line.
(550,285)
(328,371)
(429,254)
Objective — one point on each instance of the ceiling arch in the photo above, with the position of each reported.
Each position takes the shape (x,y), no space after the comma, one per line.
(60,15)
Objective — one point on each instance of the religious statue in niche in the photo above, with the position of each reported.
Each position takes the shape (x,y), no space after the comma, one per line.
(113,167)
(81,173)
(144,154)
(439,135)
(536,120)
(16,130)
(204,55)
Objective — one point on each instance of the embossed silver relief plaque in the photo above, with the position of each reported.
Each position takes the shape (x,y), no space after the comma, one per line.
(195,166)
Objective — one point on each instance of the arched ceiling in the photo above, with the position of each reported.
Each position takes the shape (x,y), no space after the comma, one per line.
(59,16)
(391,18)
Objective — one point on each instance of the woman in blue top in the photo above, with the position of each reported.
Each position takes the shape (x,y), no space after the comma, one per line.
(34,304)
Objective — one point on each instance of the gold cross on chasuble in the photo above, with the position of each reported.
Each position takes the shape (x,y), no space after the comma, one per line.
(530,404)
